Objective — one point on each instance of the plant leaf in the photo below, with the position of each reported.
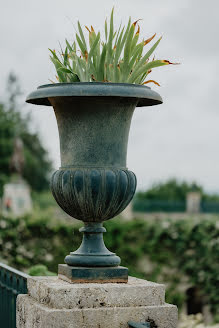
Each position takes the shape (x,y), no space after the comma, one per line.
(58,65)
(95,43)
(100,73)
(69,46)
(71,75)
(54,55)
(143,60)
(106,32)
(82,35)
(146,67)
(128,45)
(110,40)
(64,70)
(81,45)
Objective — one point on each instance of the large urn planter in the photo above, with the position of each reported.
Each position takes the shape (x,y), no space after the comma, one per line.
(93,183)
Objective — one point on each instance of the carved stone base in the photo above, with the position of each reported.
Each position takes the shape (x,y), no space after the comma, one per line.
(93,275)
(54,303)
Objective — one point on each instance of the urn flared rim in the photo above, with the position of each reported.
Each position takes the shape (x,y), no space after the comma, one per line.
(144,94)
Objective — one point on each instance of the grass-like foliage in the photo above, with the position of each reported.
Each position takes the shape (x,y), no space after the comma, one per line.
(120,58)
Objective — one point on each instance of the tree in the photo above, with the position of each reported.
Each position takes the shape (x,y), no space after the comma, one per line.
(37,167)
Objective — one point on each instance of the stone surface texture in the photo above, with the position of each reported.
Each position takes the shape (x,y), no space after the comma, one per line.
(54,303)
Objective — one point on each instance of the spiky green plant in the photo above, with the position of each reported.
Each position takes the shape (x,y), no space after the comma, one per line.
(120,58)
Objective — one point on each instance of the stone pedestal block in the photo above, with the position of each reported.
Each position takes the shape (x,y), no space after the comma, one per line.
(54,303)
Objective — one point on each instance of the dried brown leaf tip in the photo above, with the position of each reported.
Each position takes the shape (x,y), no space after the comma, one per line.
(68,56)
(91,30)
(138,31)
(93,78)
(136,22)
(152,81)
(88,29)
(86,55)
(167,62)
(149,40)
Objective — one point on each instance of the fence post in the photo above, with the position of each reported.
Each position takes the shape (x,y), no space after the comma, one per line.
(193,202)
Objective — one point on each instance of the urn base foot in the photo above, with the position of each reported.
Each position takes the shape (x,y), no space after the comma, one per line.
(92,253)
(93,260)
(93,275)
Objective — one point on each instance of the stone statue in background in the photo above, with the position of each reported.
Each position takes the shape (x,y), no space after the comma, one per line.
(17,159)
(16,194)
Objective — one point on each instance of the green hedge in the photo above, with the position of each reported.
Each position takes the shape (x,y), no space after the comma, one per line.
(158,250)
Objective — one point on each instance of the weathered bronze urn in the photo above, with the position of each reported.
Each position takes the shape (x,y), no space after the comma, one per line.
(93,183)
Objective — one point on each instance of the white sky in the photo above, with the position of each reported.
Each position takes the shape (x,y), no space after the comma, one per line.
(177,139)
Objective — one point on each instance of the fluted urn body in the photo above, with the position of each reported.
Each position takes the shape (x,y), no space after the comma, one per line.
(93,183)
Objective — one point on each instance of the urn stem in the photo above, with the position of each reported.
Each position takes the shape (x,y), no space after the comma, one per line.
(92,252)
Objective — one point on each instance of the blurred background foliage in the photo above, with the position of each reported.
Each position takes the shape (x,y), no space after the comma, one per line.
(13,124)
(170,196)
(174,190)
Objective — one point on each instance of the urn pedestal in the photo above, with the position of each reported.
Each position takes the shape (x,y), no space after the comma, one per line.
(93,183)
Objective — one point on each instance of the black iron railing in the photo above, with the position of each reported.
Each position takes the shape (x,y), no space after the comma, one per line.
(150,206)
(210,206)
(12,283)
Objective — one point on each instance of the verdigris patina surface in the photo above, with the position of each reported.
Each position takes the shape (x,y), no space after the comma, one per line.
(93,183)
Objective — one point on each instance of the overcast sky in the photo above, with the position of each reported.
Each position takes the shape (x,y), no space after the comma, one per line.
(176,139)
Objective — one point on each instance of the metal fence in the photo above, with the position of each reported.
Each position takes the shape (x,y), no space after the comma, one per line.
(150,206)
(158,206)
(210,207)
(12,283)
